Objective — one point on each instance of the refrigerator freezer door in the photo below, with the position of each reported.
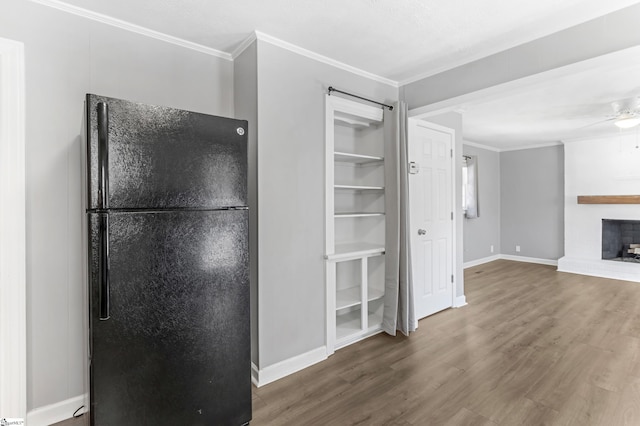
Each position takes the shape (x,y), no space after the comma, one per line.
(165,158)
(176,348)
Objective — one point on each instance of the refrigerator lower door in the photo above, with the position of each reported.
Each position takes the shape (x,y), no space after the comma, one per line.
(175,349)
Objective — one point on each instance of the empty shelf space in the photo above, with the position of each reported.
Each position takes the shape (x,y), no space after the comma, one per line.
(375,294)
(375,320)
(345,157)
(348,297)
(348,324)
(357,115)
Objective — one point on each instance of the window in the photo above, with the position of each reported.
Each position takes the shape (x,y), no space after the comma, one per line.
(470,186)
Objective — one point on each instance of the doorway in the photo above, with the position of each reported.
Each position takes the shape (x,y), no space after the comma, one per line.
(431,215)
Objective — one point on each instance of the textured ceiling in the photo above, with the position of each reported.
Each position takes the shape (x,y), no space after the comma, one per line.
(396,39)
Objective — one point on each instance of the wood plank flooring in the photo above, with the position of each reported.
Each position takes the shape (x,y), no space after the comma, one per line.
(532,347)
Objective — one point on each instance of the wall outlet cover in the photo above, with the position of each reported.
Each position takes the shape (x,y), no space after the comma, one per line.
(10,422)
(518,249)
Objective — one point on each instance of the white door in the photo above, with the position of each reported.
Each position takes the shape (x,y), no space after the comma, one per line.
(431,216)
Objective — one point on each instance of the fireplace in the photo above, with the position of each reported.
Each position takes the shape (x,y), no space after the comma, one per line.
(621,240)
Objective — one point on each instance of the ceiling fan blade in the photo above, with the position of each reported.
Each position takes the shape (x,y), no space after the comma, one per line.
(598,122)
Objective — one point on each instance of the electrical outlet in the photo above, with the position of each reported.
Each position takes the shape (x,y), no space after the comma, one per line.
(518,249)
(491,248)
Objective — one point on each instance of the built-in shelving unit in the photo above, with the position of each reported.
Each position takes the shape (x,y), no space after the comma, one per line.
(355,221)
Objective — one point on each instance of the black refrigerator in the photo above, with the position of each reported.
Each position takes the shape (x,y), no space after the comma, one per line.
(168,266)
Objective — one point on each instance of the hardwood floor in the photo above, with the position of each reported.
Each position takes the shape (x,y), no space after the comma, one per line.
(532,347)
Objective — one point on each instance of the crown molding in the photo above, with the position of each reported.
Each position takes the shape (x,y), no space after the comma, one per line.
(256,35)
(617,135)
(244,45)
(128,26)
(515,148)
(533,146)
(324,59)
(480,146)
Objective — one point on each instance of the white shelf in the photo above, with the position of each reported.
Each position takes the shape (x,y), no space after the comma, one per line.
(355,250)
(357,214)
(348,324)
(359,188)
(348,297)
(375,294)
(375,320)
(345,157)
(349,330)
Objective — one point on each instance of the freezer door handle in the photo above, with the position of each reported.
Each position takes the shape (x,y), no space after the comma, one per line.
(103,155)
(105,285)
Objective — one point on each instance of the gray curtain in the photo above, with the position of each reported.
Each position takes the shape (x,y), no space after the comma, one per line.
(471,201)
(399,309)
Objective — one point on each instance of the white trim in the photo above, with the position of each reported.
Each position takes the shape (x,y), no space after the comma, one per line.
(13,302)
(459,302)
(480,146)
(324,59)
(600,268)
(128,26)
(515,148)
(550,262)
(244,45)
(54,413)
(616,134)
(476,262)
(261,377)
(533,146)
(482,261)
(255,372)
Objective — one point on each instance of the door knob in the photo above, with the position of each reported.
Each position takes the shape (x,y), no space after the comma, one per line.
(422,231)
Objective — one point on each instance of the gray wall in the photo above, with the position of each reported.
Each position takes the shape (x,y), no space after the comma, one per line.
(245,93)
(532,202)
(609,33)
(453,120)
(291,112)
(67,56)
(483,232)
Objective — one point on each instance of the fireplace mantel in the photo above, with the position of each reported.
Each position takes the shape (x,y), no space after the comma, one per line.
(608,199)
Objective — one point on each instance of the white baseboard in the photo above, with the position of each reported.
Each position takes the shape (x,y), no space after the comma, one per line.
(460,301)
(54,413)
(477,262)
(484,260)
(261,377)
(550,262)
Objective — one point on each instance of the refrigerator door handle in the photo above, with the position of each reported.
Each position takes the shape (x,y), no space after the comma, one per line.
(103,155)
(105,285)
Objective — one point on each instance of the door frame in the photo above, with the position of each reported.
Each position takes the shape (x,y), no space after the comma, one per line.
(13,317)
(415,121)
